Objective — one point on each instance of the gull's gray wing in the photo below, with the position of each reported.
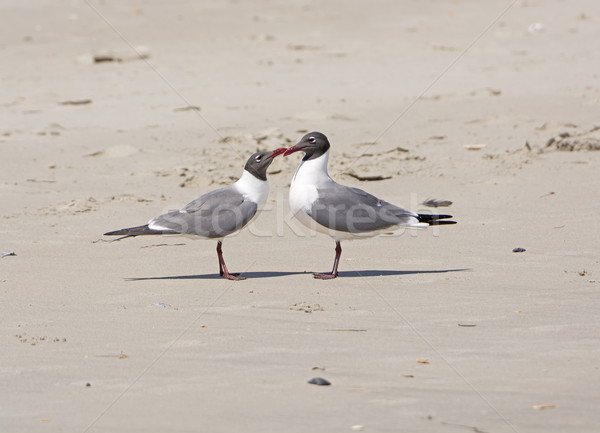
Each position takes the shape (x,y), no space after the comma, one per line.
(213,215)
(353,210)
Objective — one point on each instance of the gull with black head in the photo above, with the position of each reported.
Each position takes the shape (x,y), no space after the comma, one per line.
(339,211)
(218,213)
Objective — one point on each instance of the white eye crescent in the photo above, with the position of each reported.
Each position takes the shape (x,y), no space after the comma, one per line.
(258,158)
(312,140)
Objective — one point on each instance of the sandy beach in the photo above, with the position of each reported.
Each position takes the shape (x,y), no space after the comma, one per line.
(116,112)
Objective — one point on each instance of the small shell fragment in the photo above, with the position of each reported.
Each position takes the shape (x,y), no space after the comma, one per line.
(432,202)
(474,146)
(536,28)
(319,381)
(519,250)
(161,304)
(544,406)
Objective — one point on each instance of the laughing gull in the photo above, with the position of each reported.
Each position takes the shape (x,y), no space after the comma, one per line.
(340,211)
(218,213)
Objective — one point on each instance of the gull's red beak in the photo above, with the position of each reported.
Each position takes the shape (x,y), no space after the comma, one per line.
(290,150)
(277,152)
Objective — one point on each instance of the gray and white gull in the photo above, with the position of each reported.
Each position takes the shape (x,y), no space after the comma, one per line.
(339,211)
(218,213)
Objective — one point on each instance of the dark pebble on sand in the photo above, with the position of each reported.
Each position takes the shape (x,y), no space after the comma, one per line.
(519,250)
(319,381)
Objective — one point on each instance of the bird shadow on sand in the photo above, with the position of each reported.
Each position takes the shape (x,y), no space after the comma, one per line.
(271,274)
(387,273)
(217,276)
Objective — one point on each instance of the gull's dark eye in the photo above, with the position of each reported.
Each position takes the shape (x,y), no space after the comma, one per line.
(258,158)
(312,140)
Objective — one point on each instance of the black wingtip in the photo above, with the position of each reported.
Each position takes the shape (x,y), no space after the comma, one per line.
(139,231)
(116,233)
(132,231)
(442,223)
(435,219)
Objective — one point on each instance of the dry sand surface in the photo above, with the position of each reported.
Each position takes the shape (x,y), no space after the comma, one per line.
(114,112)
